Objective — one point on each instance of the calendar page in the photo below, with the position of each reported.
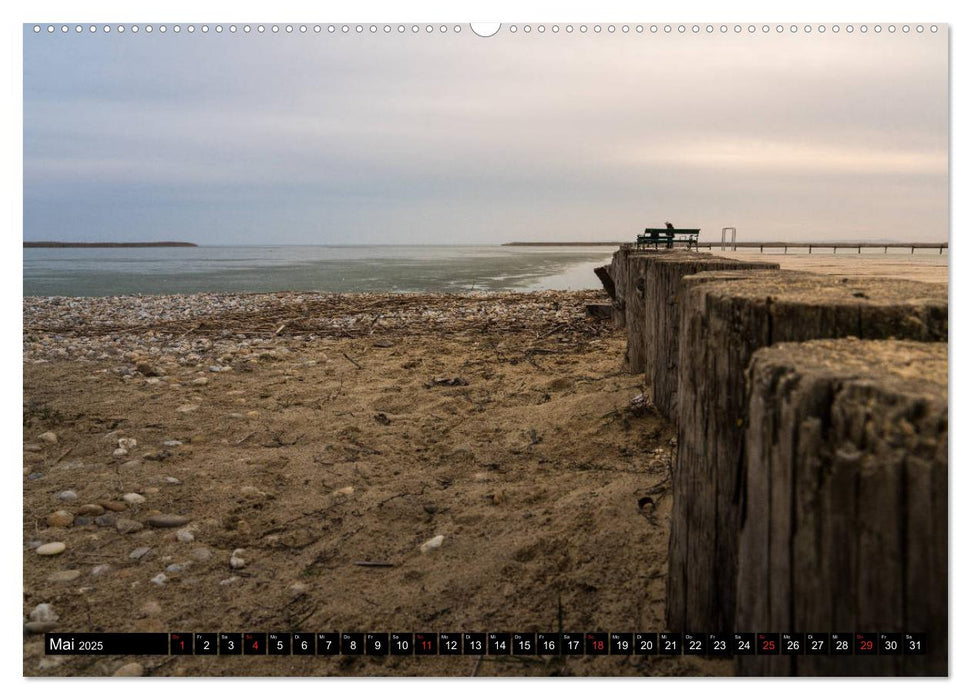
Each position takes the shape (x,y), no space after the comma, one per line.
(426,348)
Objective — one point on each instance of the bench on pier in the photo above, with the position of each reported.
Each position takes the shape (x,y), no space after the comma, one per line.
(667,237)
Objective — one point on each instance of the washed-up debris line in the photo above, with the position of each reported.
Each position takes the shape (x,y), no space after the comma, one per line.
(96,328)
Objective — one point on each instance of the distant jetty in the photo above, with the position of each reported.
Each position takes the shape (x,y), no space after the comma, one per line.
(150,244)
(613,244)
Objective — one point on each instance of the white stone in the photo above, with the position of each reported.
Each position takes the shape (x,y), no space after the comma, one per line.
(133,498)
(185,535)
(160,580)
(432,544)
(51,548)
(236,561)
(43,613)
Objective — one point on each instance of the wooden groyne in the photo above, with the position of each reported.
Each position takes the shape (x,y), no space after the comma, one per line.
(714,315)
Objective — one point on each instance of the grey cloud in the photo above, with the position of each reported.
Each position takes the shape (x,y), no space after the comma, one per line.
(225,139)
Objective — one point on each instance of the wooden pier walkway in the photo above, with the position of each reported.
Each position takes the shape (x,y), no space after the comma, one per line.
(823,245)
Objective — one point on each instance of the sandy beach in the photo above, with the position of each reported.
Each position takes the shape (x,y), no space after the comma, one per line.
(316,432)
(925,266)
(309,444)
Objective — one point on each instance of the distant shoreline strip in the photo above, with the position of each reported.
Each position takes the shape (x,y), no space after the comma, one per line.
(557,244)
(151,244)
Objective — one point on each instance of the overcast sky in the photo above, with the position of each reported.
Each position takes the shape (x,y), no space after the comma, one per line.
(335,139)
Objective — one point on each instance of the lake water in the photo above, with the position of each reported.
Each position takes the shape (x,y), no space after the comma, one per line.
(111,271)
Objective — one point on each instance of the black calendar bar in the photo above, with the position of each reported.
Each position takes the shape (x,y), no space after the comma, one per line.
(875,644)
(102,643)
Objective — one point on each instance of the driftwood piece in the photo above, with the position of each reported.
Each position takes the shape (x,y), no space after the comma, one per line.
(600,312)
(724,318)
(603,274)
(844,509)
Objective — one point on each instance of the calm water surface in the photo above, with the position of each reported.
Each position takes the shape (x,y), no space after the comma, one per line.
(111,271)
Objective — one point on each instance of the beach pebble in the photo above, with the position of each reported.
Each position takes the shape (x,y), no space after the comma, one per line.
(168,520)
(229,581)
(67,496)
(160,579)
(51,548)
(126,526)
(131,464)
(299,588)
(91,509)
(32,447)
(127,443)
(120,452)
(150,608)
(64,576)
(59,518)
(200,381)
(175,568)
(252,414)
(133,498)
(187,408)
(82,521)
(432,544)
(100,570)
(33,476)
(172,480)
(346,491)
(172,443)
(138,552)
(130,669)
(201,554)
(184,535)
(43,613)
(106,520)
(236,561)
(49,437)
(115,506)
(146,370)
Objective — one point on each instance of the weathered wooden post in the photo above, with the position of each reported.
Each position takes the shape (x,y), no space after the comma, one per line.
(724,318)
(662,282)
(844,501)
